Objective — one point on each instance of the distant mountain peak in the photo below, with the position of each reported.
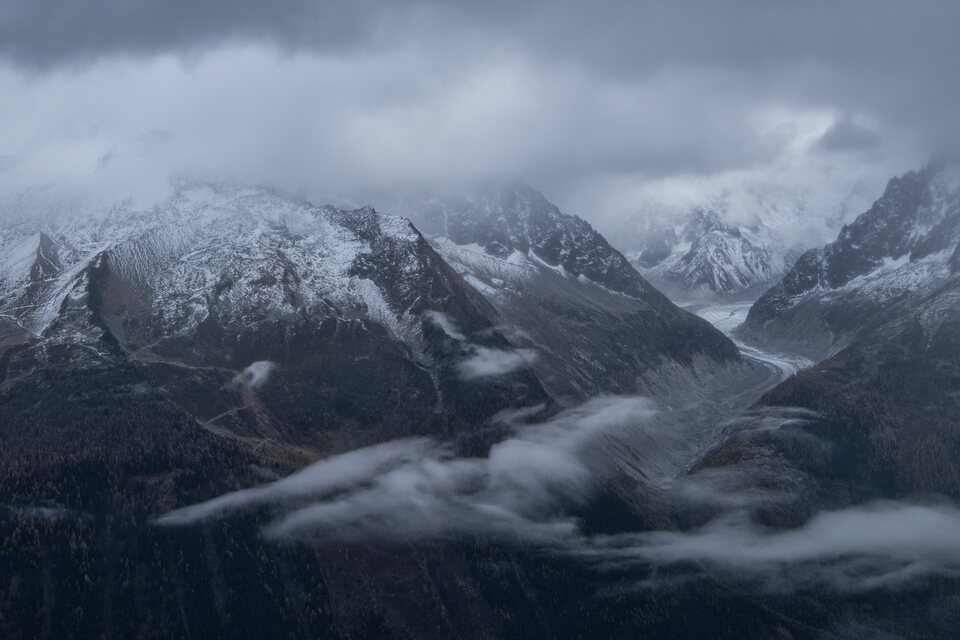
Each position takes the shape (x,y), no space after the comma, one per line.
(698,251)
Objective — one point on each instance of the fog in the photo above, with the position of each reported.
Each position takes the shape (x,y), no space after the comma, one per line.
(478,361)
(419,489)
(530,486)
(484,362)
(609,112)
(860,548)
(255,374)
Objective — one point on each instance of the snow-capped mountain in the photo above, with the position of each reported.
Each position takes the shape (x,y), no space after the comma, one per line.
(881,306)
(700,252)
(154,357)
(904,248)
(736,239)
(598,324)
(217,278)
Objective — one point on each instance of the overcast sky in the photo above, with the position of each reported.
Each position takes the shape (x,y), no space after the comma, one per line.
(601,105)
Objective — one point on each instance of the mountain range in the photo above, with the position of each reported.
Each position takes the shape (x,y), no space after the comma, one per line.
(735,241)
(228,335)
(457,370)
(599,326)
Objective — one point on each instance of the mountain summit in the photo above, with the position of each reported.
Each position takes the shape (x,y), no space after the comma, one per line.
(600,325)
(218,277)
(702,253)
(890,256)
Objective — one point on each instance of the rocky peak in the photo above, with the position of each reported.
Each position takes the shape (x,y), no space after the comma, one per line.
(917,211)
(901,246)
(699,252)
(595,321)
(517,218)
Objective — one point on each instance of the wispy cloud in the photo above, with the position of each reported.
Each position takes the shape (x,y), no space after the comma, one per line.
(321,479)
(859,548)
(445,324)
(255,375)
(485,362)
(530,483)
(479,361)
(418,489)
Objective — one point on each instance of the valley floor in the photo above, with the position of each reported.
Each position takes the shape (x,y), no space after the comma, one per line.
(728,317)
(694,415)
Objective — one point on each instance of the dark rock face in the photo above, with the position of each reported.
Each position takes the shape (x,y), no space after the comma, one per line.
(885,411)
(129,391)
(898,250)
(329,302)
(884,298)
(520,219)
(597,325)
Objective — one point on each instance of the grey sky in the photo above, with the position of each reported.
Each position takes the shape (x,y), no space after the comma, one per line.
(594,103)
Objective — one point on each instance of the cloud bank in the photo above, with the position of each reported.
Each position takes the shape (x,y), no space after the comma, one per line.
(602,110)
(860,548)
(418,489)
(528,486)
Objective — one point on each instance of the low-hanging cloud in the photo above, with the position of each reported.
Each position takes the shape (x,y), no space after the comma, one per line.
(480,362)
(387,95)
(882,544)
(419,489)
(255,375)
(445,324)
(530,483)
(487,362)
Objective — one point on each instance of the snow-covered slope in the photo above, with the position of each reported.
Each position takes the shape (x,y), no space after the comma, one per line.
(217,277)
(710,239)
(236,249)
(598,324)
(901,250)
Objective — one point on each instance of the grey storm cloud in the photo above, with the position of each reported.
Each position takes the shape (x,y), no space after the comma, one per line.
(623,37)
(846,134)
(50,33)
(587,102)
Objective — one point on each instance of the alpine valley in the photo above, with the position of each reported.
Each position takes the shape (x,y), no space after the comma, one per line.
(232,413)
